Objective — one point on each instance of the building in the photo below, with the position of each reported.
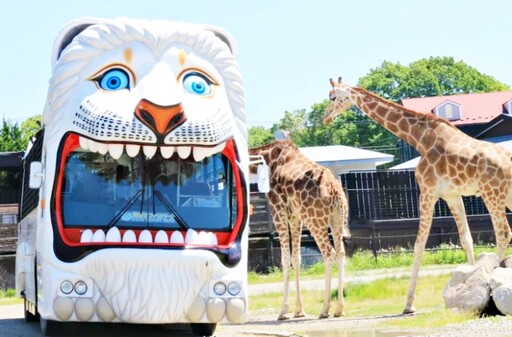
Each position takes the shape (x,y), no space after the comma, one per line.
(484,116)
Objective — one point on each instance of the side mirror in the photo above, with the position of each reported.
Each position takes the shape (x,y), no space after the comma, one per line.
(263,178)
(36,175)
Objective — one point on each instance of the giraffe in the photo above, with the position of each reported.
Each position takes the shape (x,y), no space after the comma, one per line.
(452,164)
(301,191)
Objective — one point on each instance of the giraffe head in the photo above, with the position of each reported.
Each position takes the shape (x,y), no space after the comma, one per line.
(341,99)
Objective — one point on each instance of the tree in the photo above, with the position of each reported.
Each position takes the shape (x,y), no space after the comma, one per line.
(433,76)
(14,137)
(10,137)
(259,136)
(29,128)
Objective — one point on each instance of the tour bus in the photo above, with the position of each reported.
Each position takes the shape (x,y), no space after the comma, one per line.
(137,218)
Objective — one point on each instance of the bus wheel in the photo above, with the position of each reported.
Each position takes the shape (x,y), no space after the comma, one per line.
(29,316)
(203,329)
(48,327)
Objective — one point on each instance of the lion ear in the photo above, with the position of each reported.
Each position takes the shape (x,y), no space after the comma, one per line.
(226,37)
(68,33)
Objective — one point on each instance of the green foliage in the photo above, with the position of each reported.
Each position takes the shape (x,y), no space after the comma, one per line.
(7,293)
(14,137)
(10,137)
(259,136)
(433,76)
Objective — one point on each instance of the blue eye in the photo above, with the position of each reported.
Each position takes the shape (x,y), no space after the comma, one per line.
(197,84)
(114,79)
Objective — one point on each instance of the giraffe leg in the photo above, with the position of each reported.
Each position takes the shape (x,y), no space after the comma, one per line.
(339,227)
(427,202)
(319,230)
(296,232)
(284,241)
(340,260)
(496,207)
(456,206)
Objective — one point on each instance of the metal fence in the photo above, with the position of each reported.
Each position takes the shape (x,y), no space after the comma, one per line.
(7,272)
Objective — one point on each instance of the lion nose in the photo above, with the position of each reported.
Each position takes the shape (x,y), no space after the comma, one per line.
(160,119)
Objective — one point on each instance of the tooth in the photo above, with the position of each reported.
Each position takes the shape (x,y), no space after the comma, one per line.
(115,150)
(129,236)
(83,143)
(200,153)
(149,151)
(219,148)
(102,148)
(213,238)
(99,236)
(161,237)
(86,236)
(132,150)
(113,235)
(167,151)
(177,237)
(204,238)
(93,146)
(184,151)
(192,236)
(145,236)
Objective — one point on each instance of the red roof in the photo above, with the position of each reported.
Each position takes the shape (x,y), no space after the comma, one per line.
(475,108)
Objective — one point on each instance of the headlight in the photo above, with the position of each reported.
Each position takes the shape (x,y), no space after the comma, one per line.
(66,287)
(80,287)
(219,288)
(234,288)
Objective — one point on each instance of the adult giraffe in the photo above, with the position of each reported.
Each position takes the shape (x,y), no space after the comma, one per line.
(452,165)
(301,191)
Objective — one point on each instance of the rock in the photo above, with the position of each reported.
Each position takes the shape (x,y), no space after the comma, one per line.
(487,260)
(500,276)
(501,289)
(468,290)
(507,262)
(502,297)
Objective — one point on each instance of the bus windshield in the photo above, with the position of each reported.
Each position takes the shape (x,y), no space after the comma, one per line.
(140,193)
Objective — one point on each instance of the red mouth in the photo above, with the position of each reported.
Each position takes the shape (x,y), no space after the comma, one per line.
(157,211)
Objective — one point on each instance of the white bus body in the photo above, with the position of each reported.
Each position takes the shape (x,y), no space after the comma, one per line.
(140,212)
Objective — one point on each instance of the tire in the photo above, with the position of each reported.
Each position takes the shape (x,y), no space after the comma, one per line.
(203,329)
(48,327)
(29,317)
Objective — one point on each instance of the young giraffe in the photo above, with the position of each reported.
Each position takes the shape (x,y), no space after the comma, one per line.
(301,191)
(452,165)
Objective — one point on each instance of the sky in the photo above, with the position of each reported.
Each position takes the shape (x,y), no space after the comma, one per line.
(288,49)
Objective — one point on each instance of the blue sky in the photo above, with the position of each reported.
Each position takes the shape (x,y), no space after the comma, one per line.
(288,49)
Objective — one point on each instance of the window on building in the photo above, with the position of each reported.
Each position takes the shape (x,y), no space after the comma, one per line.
(449,110)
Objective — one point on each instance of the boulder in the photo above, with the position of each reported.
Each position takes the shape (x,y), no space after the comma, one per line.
(501,289)
(487,260)
(500,276)
(468,290)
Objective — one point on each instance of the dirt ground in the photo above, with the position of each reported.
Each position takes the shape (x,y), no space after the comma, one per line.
(12,324)
(267,325)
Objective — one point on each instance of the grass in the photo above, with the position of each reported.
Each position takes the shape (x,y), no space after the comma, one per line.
(9,297)
(364,260)
(379,298)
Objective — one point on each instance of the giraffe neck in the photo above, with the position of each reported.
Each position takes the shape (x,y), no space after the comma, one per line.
(409,125)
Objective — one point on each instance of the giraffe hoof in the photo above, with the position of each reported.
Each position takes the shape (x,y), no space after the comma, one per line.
(299,315)
(322,316)
(409,311)
(339,314)
(283,317)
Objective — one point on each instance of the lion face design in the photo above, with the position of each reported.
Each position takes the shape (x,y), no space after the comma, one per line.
(158,87)
(137,112)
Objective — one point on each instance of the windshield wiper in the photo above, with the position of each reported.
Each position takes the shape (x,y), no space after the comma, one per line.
(126,207)
(170,208)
